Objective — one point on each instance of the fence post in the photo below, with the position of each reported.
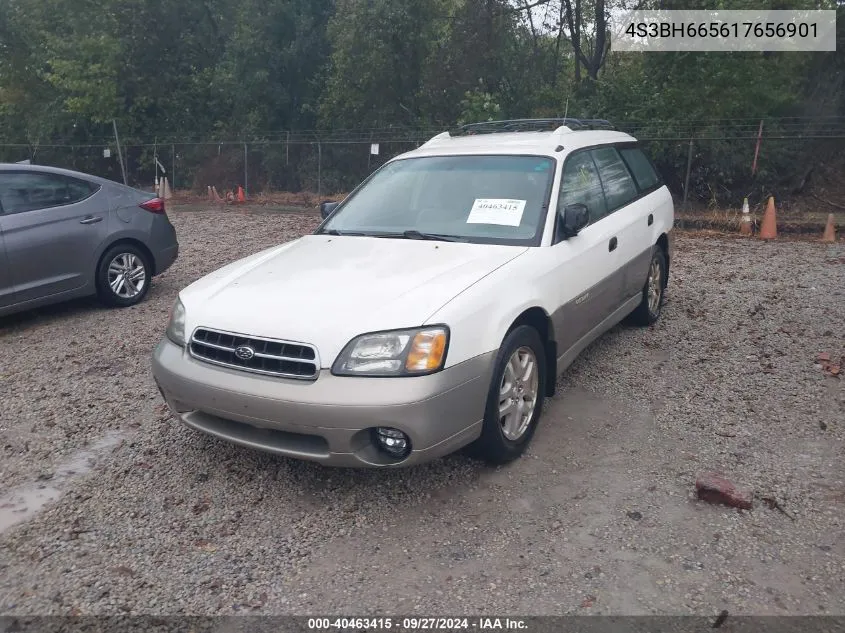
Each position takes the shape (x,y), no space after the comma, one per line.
(319,168)
(287,148)
(246,173)
(173,165)
(119,152)
(757,148)
(689,168)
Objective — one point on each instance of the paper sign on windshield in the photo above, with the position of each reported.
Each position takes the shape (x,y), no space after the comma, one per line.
(496,211)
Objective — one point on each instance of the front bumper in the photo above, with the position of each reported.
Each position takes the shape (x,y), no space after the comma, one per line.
(328,420)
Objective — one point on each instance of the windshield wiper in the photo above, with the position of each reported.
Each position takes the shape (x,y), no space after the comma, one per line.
(412,234)
(416,235)
(336,232)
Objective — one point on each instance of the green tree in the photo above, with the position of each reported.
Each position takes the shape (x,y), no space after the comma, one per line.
(379,52)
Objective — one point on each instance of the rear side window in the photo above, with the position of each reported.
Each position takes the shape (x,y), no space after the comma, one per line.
(641,167)
(581,184)
(30,191)
(619,187)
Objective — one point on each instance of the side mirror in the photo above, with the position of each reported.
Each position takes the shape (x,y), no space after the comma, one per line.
(326,208)
(575,217)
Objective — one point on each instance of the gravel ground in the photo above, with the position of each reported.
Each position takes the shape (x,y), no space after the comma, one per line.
(146,516)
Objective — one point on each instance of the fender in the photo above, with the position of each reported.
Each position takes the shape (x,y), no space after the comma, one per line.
(478,319)
(102,247)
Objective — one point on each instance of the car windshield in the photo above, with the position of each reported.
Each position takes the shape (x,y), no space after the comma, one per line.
(487,199)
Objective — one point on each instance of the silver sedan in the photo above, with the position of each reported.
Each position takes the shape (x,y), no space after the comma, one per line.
(64,234)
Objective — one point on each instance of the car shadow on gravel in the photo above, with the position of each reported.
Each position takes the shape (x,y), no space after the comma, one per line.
(313,479)
(29,318)
(80,308)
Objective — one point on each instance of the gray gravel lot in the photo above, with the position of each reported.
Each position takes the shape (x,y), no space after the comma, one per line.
(145,516)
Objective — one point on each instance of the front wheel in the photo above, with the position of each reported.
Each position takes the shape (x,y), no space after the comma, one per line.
(123,276)
(651,305)
(515,399)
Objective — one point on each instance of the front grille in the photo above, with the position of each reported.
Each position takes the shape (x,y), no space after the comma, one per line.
(269,356)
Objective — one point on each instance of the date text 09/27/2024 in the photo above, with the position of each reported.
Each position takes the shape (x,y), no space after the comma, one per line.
(417,624)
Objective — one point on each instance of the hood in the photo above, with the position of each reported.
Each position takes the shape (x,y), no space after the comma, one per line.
(325,290)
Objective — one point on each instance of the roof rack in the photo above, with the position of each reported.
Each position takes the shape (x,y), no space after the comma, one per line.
(530,125)
(597,124)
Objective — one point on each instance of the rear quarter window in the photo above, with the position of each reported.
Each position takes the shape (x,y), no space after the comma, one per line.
(619,187)
(30,191)
(640,167)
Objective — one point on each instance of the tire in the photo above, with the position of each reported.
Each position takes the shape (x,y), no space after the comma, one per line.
(117,261)
(496,446)
(650,307)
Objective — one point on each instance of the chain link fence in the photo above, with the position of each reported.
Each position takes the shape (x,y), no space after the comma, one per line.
(702,161)
(322,167)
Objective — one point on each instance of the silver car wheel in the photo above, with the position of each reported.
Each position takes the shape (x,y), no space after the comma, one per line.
(518,393)
(127,275)
(655,286)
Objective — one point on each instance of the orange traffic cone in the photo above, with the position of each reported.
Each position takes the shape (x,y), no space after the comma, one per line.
(241,195)
(769,227)
(210,195)
(745,224)
(829,231)
(217,197)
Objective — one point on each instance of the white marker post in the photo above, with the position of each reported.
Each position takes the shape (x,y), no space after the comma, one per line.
(745,225)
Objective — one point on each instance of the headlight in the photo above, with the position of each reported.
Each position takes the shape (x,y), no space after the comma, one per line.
(176,325)
(413,352)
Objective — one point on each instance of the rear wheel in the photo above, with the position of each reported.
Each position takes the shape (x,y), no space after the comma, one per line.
(651,305)
(123,276)
(515,399)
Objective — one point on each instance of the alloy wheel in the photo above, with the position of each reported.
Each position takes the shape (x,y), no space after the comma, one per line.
(127,275)
(518,393)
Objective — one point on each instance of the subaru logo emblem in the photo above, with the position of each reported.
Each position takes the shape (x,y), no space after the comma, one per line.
(244,352)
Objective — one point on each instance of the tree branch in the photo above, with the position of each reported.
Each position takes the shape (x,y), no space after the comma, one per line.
(833,204)
(534,45)
(526,7)
(533,30)
(556,58)
(600,49)
(575,31)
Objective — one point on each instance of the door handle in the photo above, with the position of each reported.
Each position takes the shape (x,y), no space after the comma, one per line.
(91,220)
(650,219)
(612,245)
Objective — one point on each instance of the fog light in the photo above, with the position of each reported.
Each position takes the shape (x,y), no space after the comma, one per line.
(394,442)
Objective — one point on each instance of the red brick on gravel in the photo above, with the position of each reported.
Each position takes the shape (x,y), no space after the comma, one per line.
(715,488)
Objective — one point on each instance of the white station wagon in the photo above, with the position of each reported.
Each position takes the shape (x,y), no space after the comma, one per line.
(434,307)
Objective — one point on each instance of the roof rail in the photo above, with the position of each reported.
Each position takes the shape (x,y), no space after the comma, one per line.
(530,125)
(597,124)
